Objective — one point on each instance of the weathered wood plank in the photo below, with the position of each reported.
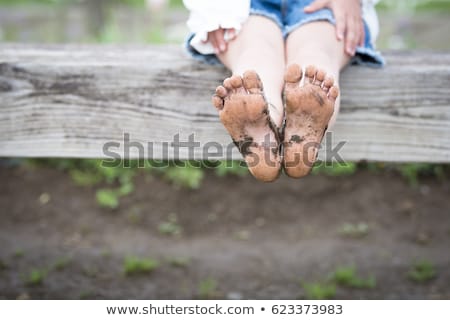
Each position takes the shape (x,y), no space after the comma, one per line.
(68,101)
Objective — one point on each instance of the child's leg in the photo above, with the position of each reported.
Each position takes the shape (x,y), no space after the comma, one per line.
(316,44)
(250,115)
(260,47)
(313,107)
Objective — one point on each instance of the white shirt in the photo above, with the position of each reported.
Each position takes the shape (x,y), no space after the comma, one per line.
(208,15)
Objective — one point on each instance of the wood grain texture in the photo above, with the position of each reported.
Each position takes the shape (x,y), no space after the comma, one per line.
(68,101)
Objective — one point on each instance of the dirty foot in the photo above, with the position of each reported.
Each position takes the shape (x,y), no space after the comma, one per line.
(244,112)
(308,111)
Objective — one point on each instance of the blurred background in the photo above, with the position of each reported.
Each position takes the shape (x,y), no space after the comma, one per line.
(421,24)
(73,229)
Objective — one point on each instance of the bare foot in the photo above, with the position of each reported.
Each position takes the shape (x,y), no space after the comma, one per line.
(244,112)
(308,111)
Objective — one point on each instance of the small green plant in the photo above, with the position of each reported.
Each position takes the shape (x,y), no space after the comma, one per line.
(83,178)
(133,265)
(125,189)
(170,227)
(186,176)
(346,276)
(180,262)
(319,291)
(90,172)
(35,277)
(235,168)
(413,171)
(335,169)
(107,198)
(351,230)
(62,263)
(19,253)
(207,289)
(422,271)
(85,295)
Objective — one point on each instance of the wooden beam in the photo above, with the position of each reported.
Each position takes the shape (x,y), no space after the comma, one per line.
(69,101)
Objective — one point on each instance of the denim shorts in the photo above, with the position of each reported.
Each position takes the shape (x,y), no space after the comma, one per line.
(289,15)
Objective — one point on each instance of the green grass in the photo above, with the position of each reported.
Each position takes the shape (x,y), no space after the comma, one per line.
(85,179)
(62,263)
(34,2)
(186,176)
(319,291)
(422,271)
(91,172)
(85,295)
(207,289)
(179,262)
(231,168)
(414,6)
(133,265)
(19,253)
(107,198)
(170,227)
(413,171)
(335,169)
(342,277)
(115,180)
(35,277)
(347,277)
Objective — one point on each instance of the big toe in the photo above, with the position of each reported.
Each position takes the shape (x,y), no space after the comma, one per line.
(236,82)
(293,74)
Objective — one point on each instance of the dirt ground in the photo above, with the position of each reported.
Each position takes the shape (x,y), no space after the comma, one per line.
(256,241)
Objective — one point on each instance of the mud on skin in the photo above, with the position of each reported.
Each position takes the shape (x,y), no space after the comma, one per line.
(309,108)
(244,112)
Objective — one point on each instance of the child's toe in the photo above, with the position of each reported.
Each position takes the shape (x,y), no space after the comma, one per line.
(333,93)
(227,84)
(328,83)
(252,82)
(217,102)
(310,73)
(221,91)
(319,77)
(236,82)
(293,74)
